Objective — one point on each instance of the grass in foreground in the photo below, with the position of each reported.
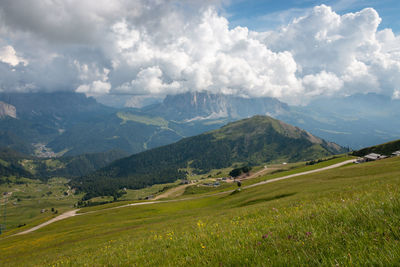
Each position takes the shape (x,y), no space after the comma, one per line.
(345,216)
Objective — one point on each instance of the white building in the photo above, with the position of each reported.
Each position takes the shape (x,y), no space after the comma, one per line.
(396,153)
(373,157)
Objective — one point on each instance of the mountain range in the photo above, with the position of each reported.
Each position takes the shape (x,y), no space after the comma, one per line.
(197,106)
(70,124)
(354,121)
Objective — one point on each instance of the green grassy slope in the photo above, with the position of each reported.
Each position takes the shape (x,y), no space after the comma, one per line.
(254,141)
(344,216)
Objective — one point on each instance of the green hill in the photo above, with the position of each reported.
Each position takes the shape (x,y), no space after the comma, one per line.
(384,149)
(251,141)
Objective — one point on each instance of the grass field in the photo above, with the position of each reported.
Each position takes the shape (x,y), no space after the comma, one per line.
(344,216)
(156,121)
(148,191)
(26,201)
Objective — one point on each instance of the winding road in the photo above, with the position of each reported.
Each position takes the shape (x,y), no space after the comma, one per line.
(73,213)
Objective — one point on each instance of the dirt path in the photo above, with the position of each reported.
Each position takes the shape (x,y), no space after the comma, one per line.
(63,216)
(173,192)
(302,173)
(74,212)
(259,173)
(178,191)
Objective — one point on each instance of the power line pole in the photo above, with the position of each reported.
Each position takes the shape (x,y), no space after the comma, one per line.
(3,226)
(5,210)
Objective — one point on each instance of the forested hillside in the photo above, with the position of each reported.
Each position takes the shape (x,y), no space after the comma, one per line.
(15,164)
(253,141)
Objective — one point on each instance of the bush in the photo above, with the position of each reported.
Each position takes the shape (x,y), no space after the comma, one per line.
(238,171)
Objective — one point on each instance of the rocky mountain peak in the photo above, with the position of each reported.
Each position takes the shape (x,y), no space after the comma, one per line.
(7,110)
(206,105)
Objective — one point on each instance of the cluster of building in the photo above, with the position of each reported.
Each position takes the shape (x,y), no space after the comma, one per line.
(375,156)
(215,184)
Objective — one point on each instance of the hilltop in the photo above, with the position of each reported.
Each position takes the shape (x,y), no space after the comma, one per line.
(250,141)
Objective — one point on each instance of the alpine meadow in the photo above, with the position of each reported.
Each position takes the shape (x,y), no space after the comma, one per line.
(199,133)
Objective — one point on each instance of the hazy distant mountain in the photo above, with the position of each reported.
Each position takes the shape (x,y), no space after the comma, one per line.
(40,117)
(256,140)
(355,121)
(194,106)
(59,109)
(124,130)
(72,124)
(7,110)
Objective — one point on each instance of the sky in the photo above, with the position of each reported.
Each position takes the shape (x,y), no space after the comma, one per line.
(295,51)
(269,14)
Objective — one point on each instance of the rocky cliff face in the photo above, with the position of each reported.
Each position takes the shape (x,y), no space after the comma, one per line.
(205,105)
(7,110)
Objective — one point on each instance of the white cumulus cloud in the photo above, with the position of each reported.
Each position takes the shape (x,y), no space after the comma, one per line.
(396,94)
(153,48)
(9,55)
(96,88)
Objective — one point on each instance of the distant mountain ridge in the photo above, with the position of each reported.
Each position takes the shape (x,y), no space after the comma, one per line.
(354,121)
(192,106)
(253,141)
(71,124)
(41,117)
(60,108)
(7,110)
